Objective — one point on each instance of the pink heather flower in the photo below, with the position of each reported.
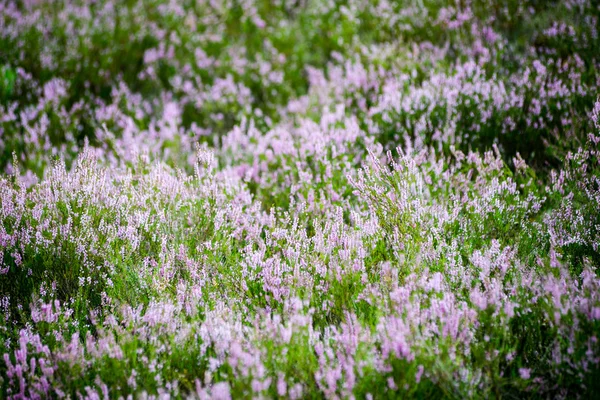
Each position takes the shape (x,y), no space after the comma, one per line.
(419,373)
(281,386)
(296,391)
(220,391)
(596,114)
(525,373)
(391,384)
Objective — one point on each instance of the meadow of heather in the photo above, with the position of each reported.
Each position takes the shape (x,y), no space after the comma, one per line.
(309,199)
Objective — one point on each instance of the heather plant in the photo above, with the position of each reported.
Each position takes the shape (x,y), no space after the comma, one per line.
(263,199)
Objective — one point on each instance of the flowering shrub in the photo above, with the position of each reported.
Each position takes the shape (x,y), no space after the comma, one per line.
(262,199)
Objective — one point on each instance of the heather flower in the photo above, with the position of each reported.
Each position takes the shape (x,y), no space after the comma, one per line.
(524,373)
